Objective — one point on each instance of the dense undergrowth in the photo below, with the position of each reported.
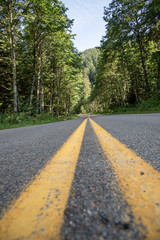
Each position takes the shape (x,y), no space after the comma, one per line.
(24,119)
(152,105)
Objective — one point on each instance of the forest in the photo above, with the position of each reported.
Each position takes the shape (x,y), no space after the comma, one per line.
(42,72)
(40,68)
(128,72)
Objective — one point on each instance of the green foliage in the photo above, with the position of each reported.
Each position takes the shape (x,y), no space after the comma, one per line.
(90,58)
(38,58)
(152,105)
(23,119)
(129,67)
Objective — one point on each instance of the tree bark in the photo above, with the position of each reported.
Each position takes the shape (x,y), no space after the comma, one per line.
(139,40)
(39,77)
(42,96)
(58,92)
(57,110)
(42,89)
(143,64)
(52,97)
(132,79)
(158,69)
(38,87)
(13,57)
(34,67)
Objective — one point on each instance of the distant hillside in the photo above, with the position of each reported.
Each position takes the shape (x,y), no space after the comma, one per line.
(90,59)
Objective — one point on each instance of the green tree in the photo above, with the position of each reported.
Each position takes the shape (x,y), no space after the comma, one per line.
(45,65)
(90,58)
(129,62)
(12,12)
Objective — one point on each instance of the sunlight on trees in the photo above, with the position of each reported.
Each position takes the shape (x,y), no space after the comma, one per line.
(42,71)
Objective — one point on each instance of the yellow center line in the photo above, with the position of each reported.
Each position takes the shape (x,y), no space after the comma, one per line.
(139,182)
(38,213)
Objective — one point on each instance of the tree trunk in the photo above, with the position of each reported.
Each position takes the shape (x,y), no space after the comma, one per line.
(13,57)
(41,81)
(132,79)
(15,93)
(34,78)
(34,67)
(158,68)
(42,89)
(58,93)
(143,65)
(38,89)
(42,97)
(139,40)
(42,93)
(52,97)
(135,90)
(124,82)
(57,111)
(38,83)
(68,105)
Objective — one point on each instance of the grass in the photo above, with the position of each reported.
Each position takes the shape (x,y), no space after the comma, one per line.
(152,105)
(23,119)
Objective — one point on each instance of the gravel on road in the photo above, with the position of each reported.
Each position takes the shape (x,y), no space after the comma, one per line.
(25,151)
(96,208)
(139,132)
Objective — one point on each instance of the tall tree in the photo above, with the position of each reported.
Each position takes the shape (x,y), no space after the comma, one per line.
(128,69)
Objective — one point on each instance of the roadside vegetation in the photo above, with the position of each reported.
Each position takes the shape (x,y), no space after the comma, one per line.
(24,119)
(152,105)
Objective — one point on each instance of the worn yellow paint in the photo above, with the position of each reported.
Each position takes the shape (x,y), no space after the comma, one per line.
(38,213)
(139,182)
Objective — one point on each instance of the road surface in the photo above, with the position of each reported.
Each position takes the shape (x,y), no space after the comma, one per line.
(87,178)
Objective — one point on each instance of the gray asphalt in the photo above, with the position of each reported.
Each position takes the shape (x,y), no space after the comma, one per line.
(25,151)
(96,208)
(140,132)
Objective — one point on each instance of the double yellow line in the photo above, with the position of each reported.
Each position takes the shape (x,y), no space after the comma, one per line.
(38,213)
(139,182)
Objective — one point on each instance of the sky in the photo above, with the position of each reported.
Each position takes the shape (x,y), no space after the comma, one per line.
(89,25)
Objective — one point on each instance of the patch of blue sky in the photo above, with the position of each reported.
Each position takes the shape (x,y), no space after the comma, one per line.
(89,25)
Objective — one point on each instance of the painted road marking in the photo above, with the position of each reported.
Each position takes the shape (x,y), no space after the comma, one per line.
(38,213)
(139,182)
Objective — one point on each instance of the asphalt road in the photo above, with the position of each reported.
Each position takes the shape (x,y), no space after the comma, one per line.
(139,132)
(25,151)
(96,208)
